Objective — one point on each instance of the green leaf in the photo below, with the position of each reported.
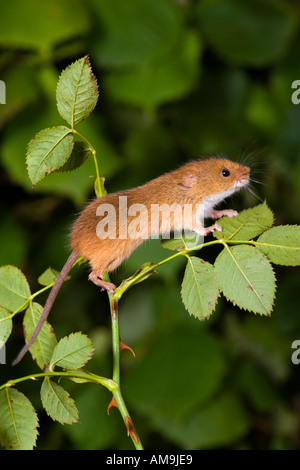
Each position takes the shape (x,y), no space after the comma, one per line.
(72,352)
(77,92)
(18,421)
(100,433)
(247,225)
(176,244)
(58,403)
(181,243)
(199,290)
(255,383)
(48,277)
(186,367)
(222,422)
(13,241)
(42,348)
(41,26)
(78,188)
(5,325)
(14,288)
(273,344)
(255,33)
(262,111)
(282,245)
(246,278)
(48,151)
(137,33)
(22,90)
(169,77)
(79,155)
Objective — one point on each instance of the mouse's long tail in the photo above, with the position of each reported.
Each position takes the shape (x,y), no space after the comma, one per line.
(54,291)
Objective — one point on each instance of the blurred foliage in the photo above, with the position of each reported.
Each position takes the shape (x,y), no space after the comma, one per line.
(178,79)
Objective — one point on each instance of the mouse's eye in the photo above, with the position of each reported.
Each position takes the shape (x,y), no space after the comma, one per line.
(225,172)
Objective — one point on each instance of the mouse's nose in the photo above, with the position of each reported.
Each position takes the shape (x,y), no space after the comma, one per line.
(243,177)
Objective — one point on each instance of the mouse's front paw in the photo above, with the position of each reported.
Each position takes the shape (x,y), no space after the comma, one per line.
(212,228)
(225,212)
(230,213)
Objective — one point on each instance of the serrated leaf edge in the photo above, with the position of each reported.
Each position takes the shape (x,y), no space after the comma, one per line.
(50,382)
(268,314)
(9,401)
(181,292)
(237,230)
(16,293)
(85,62)
(56,363)
(271,245)
(32,141)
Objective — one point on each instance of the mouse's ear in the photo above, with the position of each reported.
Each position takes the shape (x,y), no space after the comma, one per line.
(188,180)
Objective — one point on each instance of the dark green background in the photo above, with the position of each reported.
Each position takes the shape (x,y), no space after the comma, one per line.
(178,79)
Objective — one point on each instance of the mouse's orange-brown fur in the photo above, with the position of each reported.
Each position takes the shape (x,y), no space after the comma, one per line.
(197,183)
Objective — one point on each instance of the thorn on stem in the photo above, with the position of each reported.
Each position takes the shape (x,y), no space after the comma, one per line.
(125,346)
(131,429)
(111,404)
(114,308)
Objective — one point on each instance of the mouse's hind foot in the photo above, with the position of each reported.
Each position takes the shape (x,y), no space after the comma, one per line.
(98,281)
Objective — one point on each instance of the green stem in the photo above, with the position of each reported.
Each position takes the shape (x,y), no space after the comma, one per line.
(86,376)
(115,339)
(100,191)
(127,419)
(99,183)
(116,372)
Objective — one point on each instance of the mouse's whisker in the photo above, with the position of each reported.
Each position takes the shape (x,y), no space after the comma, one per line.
(250,189)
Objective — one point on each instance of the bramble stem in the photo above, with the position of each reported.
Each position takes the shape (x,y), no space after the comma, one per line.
(116,372)
(100,191)
(99,182)
(86,376)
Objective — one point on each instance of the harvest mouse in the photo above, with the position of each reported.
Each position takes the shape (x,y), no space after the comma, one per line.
(101,234)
